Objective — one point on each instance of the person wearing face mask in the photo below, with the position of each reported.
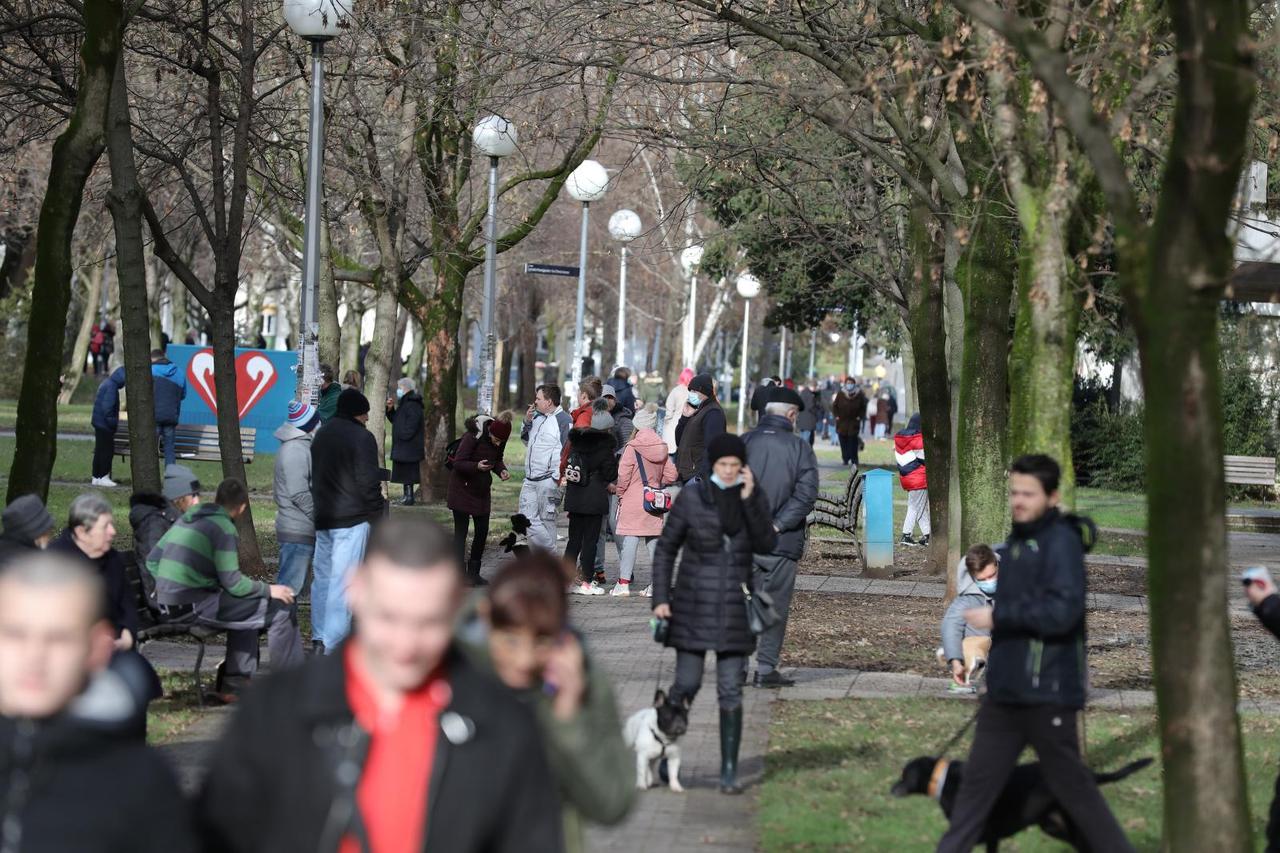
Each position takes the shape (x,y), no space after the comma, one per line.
(407,447)
(962,644)
(28,527)
(908,451)
(715,526)
(703,420)
(849,407)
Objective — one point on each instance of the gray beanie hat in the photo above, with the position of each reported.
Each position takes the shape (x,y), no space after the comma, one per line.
(600,417)
(179,481)
(26,518)
(646,418)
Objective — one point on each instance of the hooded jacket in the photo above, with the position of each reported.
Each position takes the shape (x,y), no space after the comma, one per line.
(590,495)
(786,473)
(658,468)
(470,488)
(346,476)
(295,508)
(150,516)
(908,451)
(407,443)
(198,557)
(954,627)
(106,402)
(81,781)
(170,388)
(1038,642)
(623,425)
(327,404)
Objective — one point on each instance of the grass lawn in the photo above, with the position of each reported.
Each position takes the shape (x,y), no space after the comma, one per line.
(73,417)
(178,708)
(830,766)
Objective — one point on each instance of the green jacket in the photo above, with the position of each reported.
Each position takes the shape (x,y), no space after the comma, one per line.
(327,405)
(593,767)
(197,556)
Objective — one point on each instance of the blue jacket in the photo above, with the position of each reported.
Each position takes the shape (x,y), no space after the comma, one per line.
(106,403)
(169,387)
(626,396)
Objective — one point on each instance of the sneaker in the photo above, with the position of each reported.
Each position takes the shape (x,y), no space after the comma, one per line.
(924,540)
(648,592)
(584,588)
(961,689)
(600,579)
(620,590)
(773,680)
(906,540)
(104,482)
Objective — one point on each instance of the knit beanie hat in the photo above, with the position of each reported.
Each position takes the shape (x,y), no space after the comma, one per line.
(26,518)
(600,417)
(500,429)
(726,444)
(304,416)
(647,418)
(351,404)
(179,481)
(703,384)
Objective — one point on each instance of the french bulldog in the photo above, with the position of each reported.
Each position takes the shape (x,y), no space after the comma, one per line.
(653,734)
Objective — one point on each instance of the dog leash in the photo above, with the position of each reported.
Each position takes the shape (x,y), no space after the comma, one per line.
(959,734)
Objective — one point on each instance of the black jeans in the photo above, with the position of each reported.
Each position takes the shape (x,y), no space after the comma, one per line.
(103,445)
(460,523)
(1002,732)
(584,535)
(849,449)
(729,669)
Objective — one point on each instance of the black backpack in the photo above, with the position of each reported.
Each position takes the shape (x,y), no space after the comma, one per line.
(451,452)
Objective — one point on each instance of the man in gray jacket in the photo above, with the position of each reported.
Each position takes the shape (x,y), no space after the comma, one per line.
(295,511)
(786,472)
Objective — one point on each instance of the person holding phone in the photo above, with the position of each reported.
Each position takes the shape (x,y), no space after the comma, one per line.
(470,482)
(1260,589)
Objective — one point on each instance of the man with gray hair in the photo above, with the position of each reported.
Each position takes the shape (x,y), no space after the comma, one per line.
(786,472)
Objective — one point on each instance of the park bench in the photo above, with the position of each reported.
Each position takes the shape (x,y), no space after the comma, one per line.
(193,442)
(150,627)
(840,513)
(1250,470)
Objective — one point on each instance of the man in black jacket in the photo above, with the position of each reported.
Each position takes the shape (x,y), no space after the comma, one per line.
(1036,668)
(346,488)
(393,737)
(786,472)
(73,775)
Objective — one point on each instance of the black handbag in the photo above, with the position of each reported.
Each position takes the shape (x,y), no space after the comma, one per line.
(761,615)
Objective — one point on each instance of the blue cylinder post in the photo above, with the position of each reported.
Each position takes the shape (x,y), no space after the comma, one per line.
(877,501)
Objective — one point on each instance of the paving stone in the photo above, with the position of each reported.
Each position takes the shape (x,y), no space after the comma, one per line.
(815,583)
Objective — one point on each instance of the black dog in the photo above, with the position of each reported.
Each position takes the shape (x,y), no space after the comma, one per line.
(1025,801)
(517,541)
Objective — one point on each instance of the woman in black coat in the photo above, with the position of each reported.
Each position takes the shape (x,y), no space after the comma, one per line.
(719,522)
(407,448)
(591,460)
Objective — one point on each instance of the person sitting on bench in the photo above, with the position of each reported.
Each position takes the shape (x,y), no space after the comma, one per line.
(965,648)
(197,579)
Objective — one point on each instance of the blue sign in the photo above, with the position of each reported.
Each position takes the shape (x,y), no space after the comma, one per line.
(265,383)
(877,503)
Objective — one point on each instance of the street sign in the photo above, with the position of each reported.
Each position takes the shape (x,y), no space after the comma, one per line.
(550,269)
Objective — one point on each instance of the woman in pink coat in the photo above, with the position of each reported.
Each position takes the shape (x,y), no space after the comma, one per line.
(633,524)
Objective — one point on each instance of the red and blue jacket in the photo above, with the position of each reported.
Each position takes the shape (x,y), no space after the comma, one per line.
(908,450)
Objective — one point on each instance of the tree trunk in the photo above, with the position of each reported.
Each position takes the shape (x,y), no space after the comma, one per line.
(222,338)
(125,202)
(330,335)
(80,351)
(351,336)
(178,309)
(503,400)
(1114,395)
(413,367)
(75,152)
(1175,306)
(440,319)
(378,361)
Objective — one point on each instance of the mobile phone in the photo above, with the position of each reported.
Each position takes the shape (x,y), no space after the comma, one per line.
(1255,574)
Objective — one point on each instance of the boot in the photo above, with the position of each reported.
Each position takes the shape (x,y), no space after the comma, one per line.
(408,496)
(473,574)
(730,740)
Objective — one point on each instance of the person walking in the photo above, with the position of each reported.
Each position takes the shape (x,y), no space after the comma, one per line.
(849,407)
(703,419)
(1036,671)
(908,451)
(811,413)
(873,406)
(884,415)
(396,742)
(105,422)
(590,469)
(169,389)
(540,491)
(785,469)
(715,526)
(644,464)
(295,506)
(329,393)
(674,408)
(479,457)
(346,490)
(407,446)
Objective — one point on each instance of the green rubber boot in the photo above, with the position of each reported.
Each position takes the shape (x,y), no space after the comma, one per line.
(730,740)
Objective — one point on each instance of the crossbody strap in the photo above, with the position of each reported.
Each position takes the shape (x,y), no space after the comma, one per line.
(640,464)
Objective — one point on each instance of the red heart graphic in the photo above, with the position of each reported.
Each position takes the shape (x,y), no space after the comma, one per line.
(255,374)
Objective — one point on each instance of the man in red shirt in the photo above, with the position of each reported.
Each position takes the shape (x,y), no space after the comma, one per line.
(393,743)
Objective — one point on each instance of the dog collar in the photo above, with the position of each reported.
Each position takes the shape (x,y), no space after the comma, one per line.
(658,737)
(938,779)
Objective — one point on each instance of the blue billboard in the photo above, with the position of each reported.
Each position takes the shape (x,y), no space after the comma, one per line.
(265,383)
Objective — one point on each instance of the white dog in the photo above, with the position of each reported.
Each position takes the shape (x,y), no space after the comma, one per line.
(653,734)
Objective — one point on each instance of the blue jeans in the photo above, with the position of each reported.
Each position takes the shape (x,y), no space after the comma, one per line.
(295,559)
(807,435)
(165,434)
(337,554)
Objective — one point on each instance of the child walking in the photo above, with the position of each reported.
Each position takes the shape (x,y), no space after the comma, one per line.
(644,461)
(586,474)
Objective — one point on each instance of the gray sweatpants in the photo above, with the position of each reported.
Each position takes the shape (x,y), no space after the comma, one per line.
(776,576)
(539,501)
(244,619)
(728,677)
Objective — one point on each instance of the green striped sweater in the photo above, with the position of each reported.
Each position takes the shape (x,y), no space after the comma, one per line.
(197,556)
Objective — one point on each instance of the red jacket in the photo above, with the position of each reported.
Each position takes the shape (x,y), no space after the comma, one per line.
(581,420)
(908,449)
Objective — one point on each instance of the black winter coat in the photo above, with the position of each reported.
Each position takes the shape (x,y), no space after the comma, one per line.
(122,603)
(346,475)
(406,430)
(92,789)
(708,610)
(272,785)
(595,448)
(12,548)
(150,516)
(1038,642)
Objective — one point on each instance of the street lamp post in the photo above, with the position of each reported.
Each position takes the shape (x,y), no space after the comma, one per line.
(624,226)
(690,259)
(495,136)
(586,184)
(748,289)
(813,351)
(317,21)
(782,355)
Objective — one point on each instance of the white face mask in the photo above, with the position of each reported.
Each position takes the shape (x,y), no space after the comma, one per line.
(695,399)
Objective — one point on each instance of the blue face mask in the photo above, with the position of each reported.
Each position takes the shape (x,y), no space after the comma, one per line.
(987,587)
(715,478)
(399,393)
(695,399)
(850,387)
